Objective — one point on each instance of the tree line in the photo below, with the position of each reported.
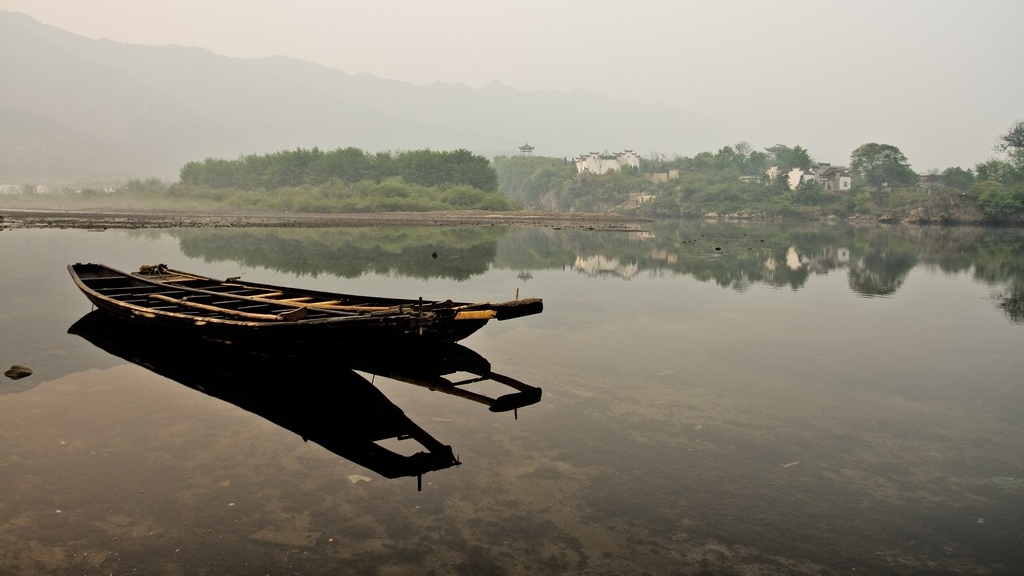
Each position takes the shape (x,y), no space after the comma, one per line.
(314,167)
(341,181)
(344,180)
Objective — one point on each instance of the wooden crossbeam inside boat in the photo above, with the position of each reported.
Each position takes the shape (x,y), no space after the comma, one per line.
(327,306)
(290,316)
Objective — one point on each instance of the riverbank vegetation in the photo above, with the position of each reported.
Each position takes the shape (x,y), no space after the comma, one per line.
(738,181)
(733,182)
(341,181)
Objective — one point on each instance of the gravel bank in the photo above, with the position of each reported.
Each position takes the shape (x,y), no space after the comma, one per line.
(12,218)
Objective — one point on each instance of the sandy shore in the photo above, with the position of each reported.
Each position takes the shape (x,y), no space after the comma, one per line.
(15,218)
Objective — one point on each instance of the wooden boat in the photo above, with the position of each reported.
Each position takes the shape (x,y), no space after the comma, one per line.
(235,311)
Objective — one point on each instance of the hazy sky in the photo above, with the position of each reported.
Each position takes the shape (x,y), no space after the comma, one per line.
(940,79)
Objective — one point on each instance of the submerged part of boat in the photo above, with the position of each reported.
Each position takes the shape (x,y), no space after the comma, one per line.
(233,311)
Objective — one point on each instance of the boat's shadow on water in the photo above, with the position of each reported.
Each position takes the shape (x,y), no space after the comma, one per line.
(317,394)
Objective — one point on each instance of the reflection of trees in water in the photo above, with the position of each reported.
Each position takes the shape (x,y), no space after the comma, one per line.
(734,255)
(881,257)
(998,260)
(351,252)
(880,274)
(1011,300)
(682,248)
(994,256)
(881,268)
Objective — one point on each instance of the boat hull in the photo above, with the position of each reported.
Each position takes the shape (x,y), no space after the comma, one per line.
(271,317)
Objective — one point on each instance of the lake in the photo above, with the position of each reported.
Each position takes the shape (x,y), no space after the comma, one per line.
(732,398)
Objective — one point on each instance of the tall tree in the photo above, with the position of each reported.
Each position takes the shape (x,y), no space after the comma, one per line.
(1013,140)
(728,157)
(795,157)
(881,164)
(743,148)
(957,177)
(1011,170)
(756,164)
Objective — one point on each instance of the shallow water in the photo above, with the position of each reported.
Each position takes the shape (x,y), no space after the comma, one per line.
(749,399)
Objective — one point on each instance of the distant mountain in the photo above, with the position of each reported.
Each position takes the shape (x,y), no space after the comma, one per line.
(74,109)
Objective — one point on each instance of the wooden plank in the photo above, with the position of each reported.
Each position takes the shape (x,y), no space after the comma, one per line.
(476,315)
(268,295)
(340,308)
(329,305)
(334,305)
(290,316)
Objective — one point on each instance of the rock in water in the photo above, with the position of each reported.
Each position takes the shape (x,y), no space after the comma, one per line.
(18,372)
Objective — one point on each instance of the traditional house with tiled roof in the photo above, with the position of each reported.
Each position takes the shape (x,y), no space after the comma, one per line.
(832,179)
(597,163)
(773,151)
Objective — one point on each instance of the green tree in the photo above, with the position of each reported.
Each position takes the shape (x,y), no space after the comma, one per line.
(999,201)
(1013,140)
(443,169)
(956,177)
(463,167)
(795,157)
(1010,169)
(991,170)
(728,157)
(702,161)
(756,164)
(881,164)
(139,186)
(382,166)
(348,165)
(1013,147)
(808,193)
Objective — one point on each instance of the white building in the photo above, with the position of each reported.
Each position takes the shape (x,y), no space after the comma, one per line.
(835,179)
(597,163)
(831,179)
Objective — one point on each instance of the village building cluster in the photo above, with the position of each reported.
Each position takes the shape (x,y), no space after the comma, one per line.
(603,163)
(832,179)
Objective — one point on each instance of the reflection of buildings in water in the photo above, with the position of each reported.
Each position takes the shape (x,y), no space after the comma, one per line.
(601,266)
(793,260)
(655,254)
(828,258)
(658,255)
(741,284)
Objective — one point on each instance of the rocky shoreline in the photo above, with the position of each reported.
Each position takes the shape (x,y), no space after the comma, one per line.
(99,220)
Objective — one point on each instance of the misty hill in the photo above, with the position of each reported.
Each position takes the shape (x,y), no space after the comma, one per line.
(73,109)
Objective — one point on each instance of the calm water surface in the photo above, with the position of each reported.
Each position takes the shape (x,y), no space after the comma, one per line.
(739,399)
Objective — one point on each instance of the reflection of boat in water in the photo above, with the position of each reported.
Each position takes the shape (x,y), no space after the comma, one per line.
(232,310)
(320,397)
